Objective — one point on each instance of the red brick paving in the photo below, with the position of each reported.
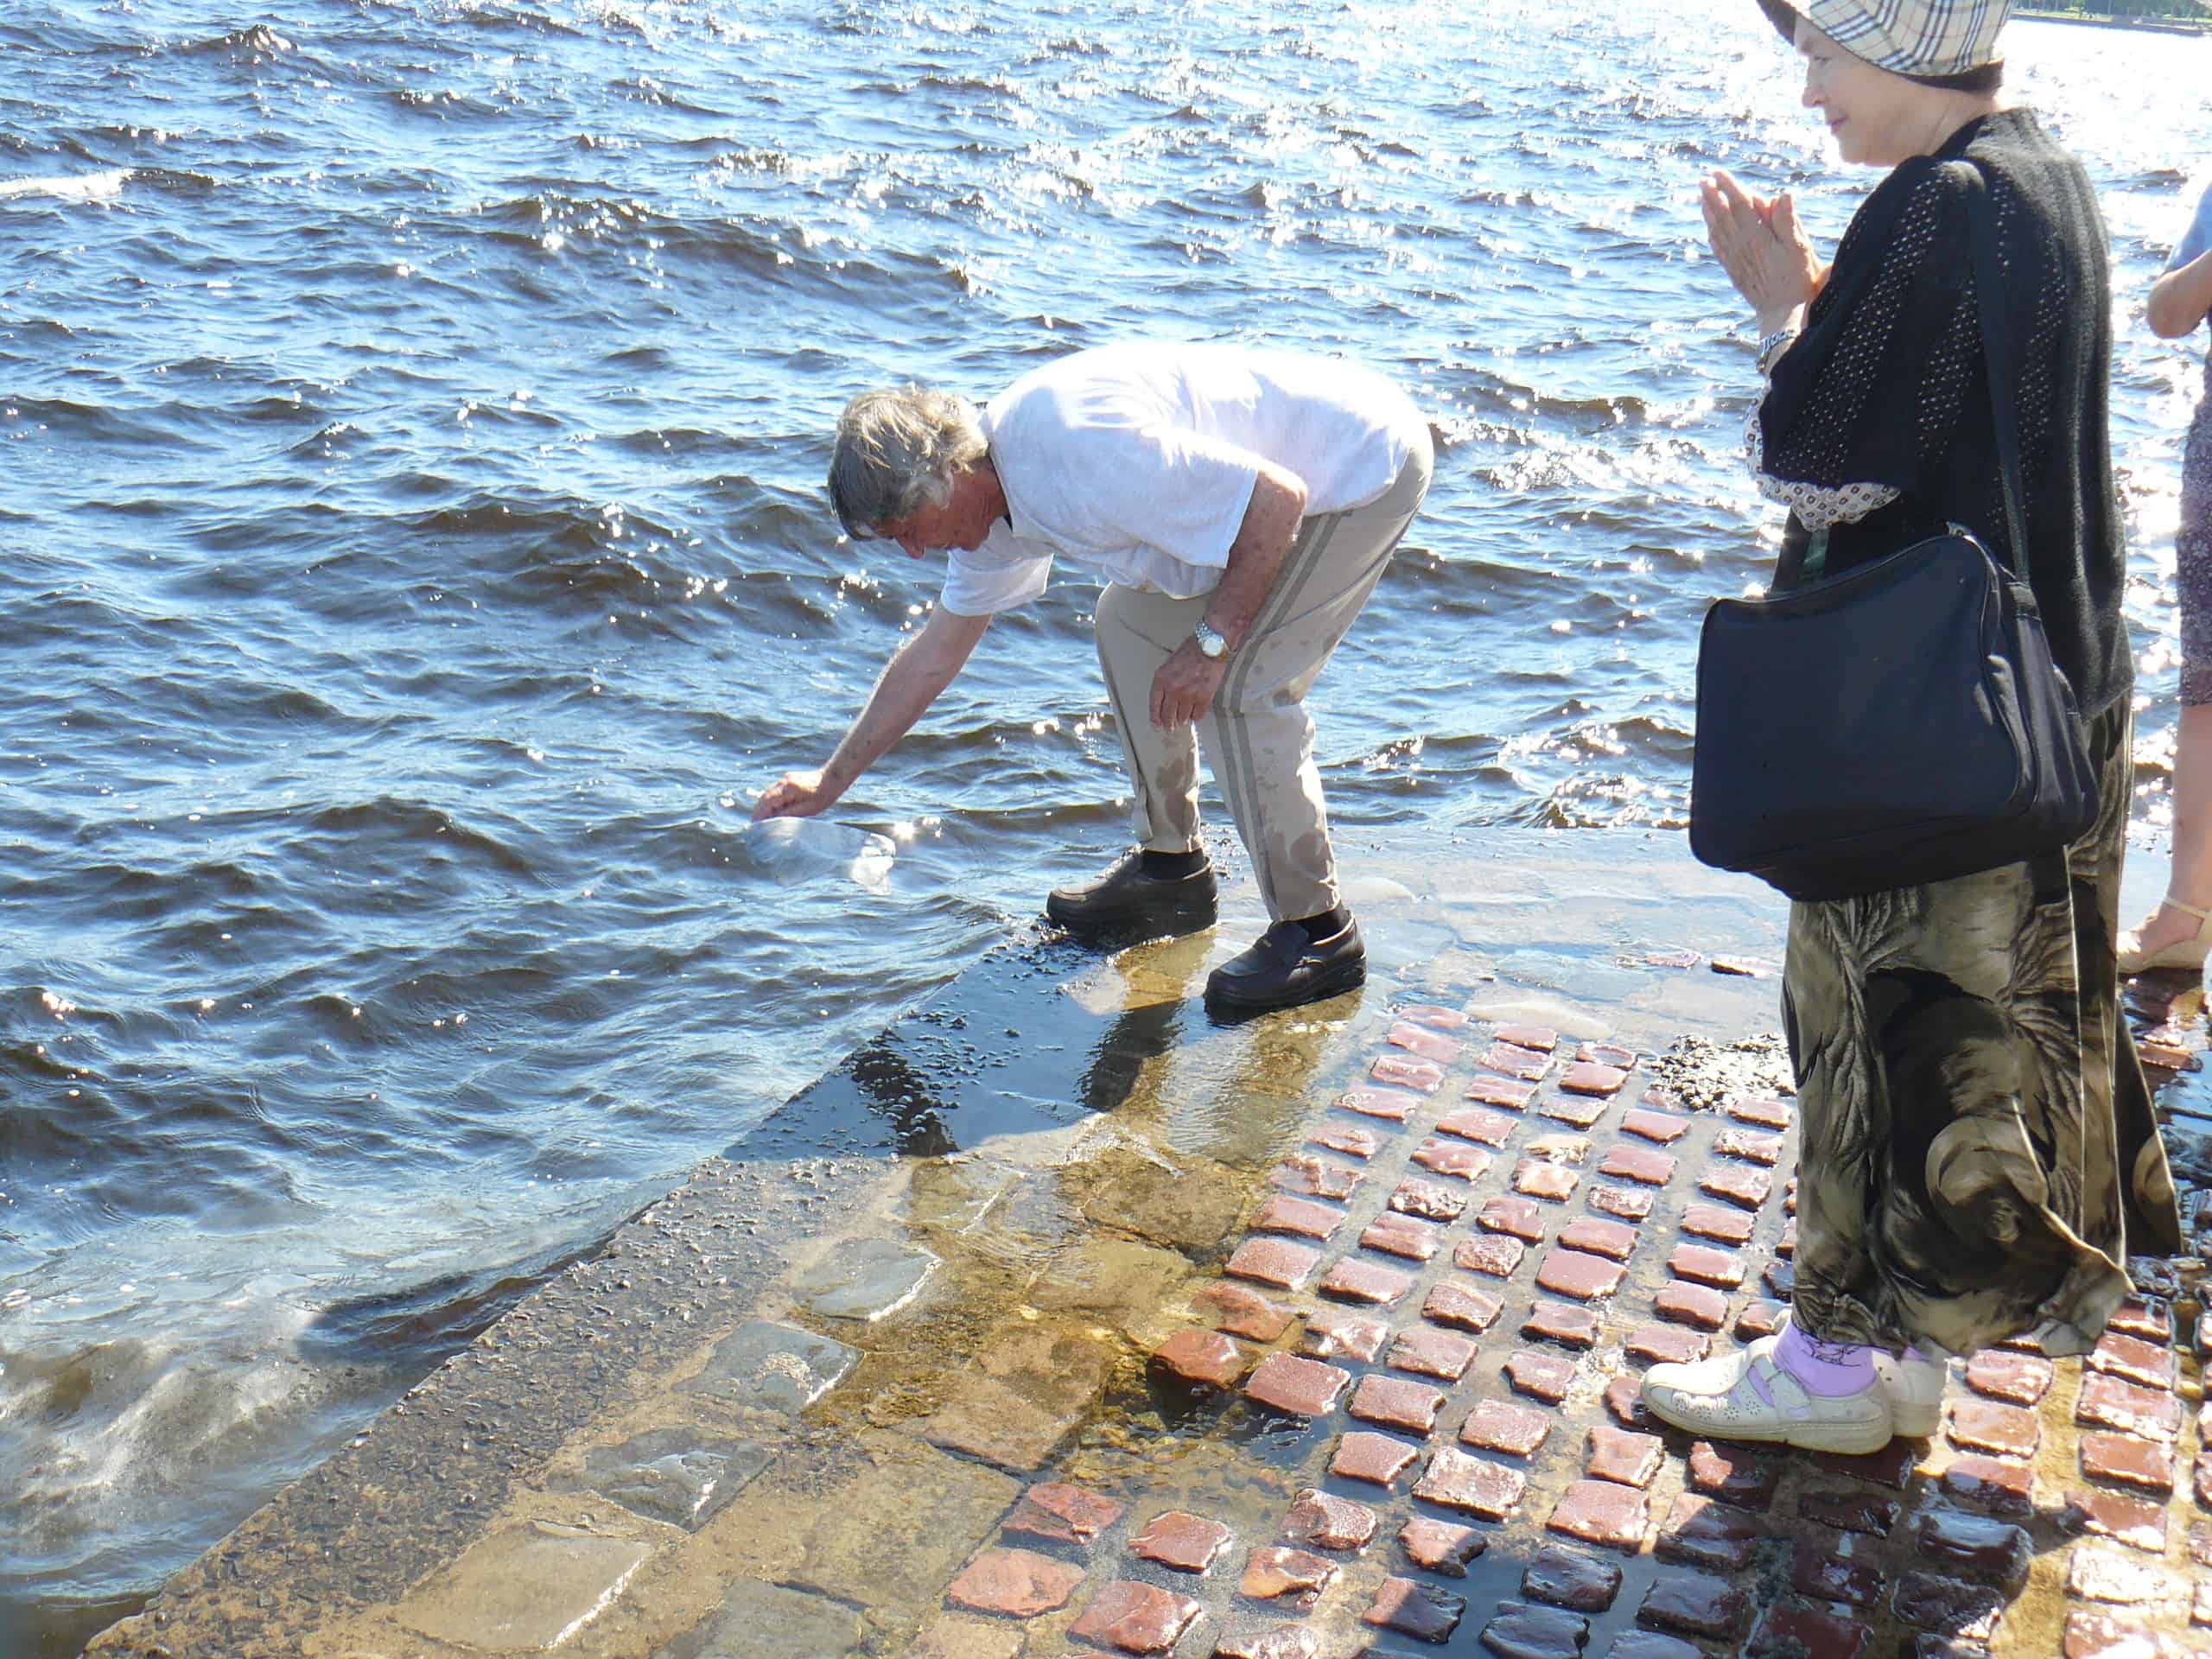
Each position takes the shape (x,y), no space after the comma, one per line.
(1013,1584)
(1273,1571)
(1202,1356)
(1304,1388)
(1440,1545)
(1462,1307)
(1135,1618)
(1178,1539)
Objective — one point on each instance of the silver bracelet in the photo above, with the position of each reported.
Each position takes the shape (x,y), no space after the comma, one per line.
(1773,346)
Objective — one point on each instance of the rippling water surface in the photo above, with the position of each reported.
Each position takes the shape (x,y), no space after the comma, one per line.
(413,417)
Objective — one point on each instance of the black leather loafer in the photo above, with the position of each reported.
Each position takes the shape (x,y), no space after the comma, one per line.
(1284,968)
(1125,901)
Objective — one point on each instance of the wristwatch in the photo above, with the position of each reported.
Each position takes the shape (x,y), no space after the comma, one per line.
(1210,643)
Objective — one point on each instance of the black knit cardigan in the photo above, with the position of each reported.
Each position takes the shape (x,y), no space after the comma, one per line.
(1886,385)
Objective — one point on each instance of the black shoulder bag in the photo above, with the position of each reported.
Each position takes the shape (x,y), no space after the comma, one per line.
(1902,722)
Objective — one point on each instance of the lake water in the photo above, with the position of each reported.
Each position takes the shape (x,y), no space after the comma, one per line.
(414,416)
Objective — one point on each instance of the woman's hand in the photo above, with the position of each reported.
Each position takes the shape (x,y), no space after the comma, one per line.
(1763,248)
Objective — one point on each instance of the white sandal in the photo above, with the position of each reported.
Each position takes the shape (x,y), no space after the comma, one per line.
(1717,1397)
(2183,953)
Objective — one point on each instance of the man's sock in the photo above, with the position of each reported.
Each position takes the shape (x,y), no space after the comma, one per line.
(1828,1368)
(1327,924)
(1164,866)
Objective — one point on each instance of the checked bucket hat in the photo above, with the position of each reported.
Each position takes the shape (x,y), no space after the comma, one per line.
(1925,39)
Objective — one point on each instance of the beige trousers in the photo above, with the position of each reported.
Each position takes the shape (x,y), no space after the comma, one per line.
(1258,735)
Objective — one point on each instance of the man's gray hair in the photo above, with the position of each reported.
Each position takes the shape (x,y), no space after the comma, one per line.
(898,450)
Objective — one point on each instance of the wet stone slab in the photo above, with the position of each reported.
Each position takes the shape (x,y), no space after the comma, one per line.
(1013,1584)
(1541,1376)
(1520,1631)
(1339,1333)
(1055,1512)
(1998,1485)
(1571,1578)
(2145,1466)
(1976,1543)
(1667,1344)
(1516,1218)
(1268,1642)
(1798,1630)
(1396,1403)
(1378,1460)
(1825,1574)
(2136,1361)
(1304,1388)
(1430,1200)
(762,1621)
(1471,1484)
(1427,1352)
(1201,1356)
(1135,1618)
(1630,1204)
(865,1280)
(1354,1280)
(1305,1217)
(1462,1308)
(1616,1454)
(1314,1178)
(1324,1521)
(1455,1160)
(1243,1313)
(1278,1572)
(2112,1402)
(1987,1426)
(1704,1265)
(1600,1512)
(1421,1611)
(672,1475)
(1491,1254)
(1690,1603)
(1643,1164)
(2017,1379)
(524,1589)
(1179,1539)
(1851,1511)
(1442,1547)
(772,1367)
(1706,1532)
(1574,1327)
(1274,1261)
(2133,1522)
(1497,1092)
(1718,1222)
(1501,1425)
(1947,1606)
(1614,1240)
(1583,1277)
(1402,1235)
(1698,1305)
(1738,1474)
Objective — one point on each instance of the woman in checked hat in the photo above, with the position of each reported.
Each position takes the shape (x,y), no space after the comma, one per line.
(1978,1154)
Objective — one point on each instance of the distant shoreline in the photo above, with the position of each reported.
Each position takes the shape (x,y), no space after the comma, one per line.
(2157,25)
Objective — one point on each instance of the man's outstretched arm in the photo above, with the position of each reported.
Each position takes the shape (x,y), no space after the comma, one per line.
(925,665)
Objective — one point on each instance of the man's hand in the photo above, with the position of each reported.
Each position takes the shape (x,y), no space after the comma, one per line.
(1763,248)
(795,795)
(1184,689)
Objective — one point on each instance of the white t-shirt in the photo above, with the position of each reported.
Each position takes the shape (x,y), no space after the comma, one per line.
(1138,461)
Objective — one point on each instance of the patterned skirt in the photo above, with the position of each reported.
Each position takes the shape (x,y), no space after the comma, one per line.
(1979,1156)
(2193,558)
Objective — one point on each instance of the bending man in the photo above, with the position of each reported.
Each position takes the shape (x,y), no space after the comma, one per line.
(1241,504)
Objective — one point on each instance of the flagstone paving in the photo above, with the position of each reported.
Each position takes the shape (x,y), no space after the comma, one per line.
(1368,1388)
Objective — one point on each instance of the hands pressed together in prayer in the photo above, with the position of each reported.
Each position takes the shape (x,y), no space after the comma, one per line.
(1763,249)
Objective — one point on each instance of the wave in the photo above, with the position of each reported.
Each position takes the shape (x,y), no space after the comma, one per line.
(78,186)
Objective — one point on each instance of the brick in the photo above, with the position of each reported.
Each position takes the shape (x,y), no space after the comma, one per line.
(1496,1091)
(1687,1303)
(1501,1425)
(1013,1584)
(1403,1236)
(1273,1261)
(1430,1013)
(1458,1481)
(1243,1312)
(2017,1379)
(1580,1110)
(1662,1127)
(1204,1357)
(2093,1634)
(1057,1513)
(1378,1459)
(1612,1239)
(1178,1539)
(1542,1038)
(1668,1344)
(1462,1308)
(1452,1158)
(1643,1164)
(1573,1272)
(1336,1332)
(1649,1644)
(1601,1512)
(2109,1402)
(1986,1426)
(1738,1185)
(1524,1065)
(1786,1246)
(1761,1317)
(1431,1200)
(1539,1177)
(1743,967)
(1421,1611)
(1823,1575)
(1272,1571)
(1561,1148)
(1314,1178)
(1779,1278)
(1403,1071)
(1347,1138)
(1135,1618)
(2134,1359)
(1704,1533)
(2100,1573)
(1542,1376)
(1396,1403)
(1494,1254)
(1440,1545)
(1283,1214)
(1981,1545)
(1570,1578)
(1892,1467)
(1518,1630)
(1764,1150)
(1354,1281)
(1428,1044)
(1796,1629)
(1629,1203)
(1694,1603)
(2127,1519)
(1390,1105)
(1268,1642)
(2126,1461)
(1617,1455)
(1428,1352)
(1562,1322)
(1734,1472)
(1588,1078)
(1760,1112)
(2150,1320)
(1624,1398)
(1702,1264)
(1326,1521)
(1723,1222)
(1849,1511)
(1519,1218)
(1997,1484)
(1304,1388)
(1948,1606)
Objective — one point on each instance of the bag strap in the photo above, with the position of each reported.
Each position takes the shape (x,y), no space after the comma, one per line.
(1988,294)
